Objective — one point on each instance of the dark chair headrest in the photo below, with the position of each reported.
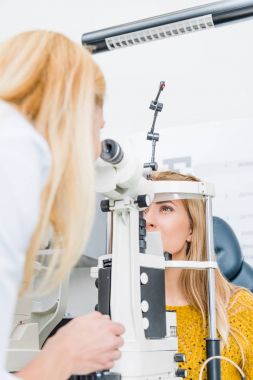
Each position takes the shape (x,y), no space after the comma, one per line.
(245,277)
(227,248)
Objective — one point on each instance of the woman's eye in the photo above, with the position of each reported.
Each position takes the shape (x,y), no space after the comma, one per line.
(166,209)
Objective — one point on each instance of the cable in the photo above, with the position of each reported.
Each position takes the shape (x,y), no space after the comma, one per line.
(224,358)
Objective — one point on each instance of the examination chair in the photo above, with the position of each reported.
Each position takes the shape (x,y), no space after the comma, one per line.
(229,255)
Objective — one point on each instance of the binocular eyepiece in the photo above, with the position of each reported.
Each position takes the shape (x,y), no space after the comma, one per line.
(111,152)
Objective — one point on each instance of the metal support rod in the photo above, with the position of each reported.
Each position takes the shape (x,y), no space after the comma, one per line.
(154,121)
(220,13)
(109,232)
(211,272)
(212,343)
(153,151)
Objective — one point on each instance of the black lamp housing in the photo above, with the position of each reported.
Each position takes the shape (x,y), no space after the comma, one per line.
(168,25)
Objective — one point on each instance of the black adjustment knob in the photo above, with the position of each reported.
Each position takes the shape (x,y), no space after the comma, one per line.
(105,205)
(159,107)
(142,232)
(180,372)
(107,375)
(96,283)
(167,257)
(142,222)
(143,201)
(96,307)
(153,136)
(152,165)
(142,244)
(156,106)
(180,358)
(104,375)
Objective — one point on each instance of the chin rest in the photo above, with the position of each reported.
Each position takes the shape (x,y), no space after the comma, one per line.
(229,255)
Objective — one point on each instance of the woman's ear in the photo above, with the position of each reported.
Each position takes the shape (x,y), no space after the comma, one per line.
(189,237)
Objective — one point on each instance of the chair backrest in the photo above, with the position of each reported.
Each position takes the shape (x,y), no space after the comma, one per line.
(229,255)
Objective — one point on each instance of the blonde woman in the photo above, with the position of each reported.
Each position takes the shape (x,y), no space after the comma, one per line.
(51,98)
(182,227)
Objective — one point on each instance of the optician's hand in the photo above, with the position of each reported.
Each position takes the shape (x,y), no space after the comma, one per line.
(86,344)
(91,342)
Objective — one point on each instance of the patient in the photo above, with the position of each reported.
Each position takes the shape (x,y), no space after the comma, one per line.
(182,227)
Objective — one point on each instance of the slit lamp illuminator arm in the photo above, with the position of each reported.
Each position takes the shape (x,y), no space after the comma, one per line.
(168,25)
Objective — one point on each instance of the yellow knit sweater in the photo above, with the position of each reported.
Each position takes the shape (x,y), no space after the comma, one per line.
(191,338)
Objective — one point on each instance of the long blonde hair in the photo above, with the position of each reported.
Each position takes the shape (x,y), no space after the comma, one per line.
(194,283)
(55,84)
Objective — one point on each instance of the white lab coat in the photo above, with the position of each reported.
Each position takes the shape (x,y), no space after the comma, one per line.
(24,166)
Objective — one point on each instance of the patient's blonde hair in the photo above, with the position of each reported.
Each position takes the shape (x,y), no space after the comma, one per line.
(194,282)
(55,84)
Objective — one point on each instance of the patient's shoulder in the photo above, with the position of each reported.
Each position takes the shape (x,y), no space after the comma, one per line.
(241,302)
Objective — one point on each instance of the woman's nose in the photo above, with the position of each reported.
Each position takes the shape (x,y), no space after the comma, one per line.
(150,223)
(151,227)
